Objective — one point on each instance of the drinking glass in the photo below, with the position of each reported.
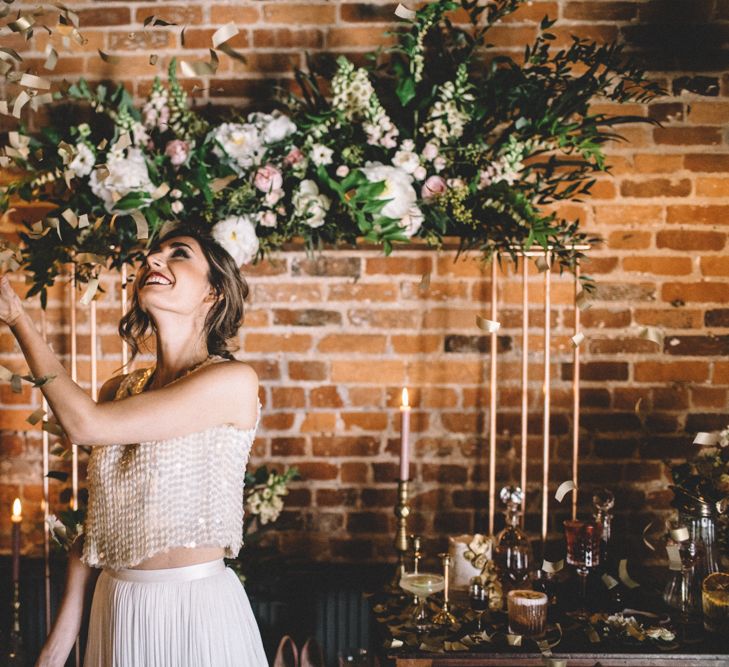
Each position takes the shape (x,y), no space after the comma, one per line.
(421,585)
(527,612)
(583,551)
(715,599)
(478,597)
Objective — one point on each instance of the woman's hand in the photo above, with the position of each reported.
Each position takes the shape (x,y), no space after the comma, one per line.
(46,660)
(11,307)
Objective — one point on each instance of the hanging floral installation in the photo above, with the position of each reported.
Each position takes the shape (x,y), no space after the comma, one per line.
(435,138)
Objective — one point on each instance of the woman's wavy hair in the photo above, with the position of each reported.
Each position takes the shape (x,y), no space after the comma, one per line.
(224,317)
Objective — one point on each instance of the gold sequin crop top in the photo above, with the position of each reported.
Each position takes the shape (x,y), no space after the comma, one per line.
(149,497)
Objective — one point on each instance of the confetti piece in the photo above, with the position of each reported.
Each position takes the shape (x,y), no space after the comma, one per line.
(679,534)
(609,581)
(38,100)
(33,81)
(102,172)
(35,416)
(22,24)
(219,183)
(70,217)
(160,191)
(16,385)
(58,450)
(112,60)
(549,566)
(5,374)
(90,291)
(142,226)
(9,54)
(224,33)
(182,36)
(514,640)
(624,576)
(542,264)
(578,338)
(487,325)
(20,102)
(638,403)
(83,221)
(674,557)
(582,301)
(645,536)
(153,20)
(404,13)
(564,489)
(102,144)
(592,635)
(123,142)
(706,439)
(54,429)
(200,68)
(232,53)
(653,334)
(153,59)
(425,281)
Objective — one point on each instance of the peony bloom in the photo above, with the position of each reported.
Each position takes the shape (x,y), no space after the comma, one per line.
(412,221)
(406,160)
(241,143)
(398,188)
(310,204)
(278,128)
(177,150)
(272,198)
(268,178)
(294,156)
(83,161)
(433,187)
(127,173)
(237,234)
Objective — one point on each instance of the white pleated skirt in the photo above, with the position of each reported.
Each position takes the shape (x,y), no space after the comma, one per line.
(193,616)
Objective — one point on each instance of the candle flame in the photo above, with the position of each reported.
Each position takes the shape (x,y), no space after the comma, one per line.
(16,507)
(405,403)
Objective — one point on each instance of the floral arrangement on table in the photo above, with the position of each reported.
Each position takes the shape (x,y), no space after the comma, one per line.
(704,478)
(430,140)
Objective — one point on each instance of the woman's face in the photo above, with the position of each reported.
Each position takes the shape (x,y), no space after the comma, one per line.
(174,278)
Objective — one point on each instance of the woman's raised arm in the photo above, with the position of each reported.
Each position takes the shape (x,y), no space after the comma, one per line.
(223,393)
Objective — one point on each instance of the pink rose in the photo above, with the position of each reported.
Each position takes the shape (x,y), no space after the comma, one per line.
(294,156)
(268,178)
(434,186)
(177,150)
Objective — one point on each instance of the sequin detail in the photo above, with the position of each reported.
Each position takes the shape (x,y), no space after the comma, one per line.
(149,497)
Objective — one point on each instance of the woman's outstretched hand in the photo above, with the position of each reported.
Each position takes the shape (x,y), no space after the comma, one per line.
(11,307)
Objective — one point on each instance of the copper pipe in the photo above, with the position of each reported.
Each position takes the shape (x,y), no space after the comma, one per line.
(74,377)
(123,292)
(93,337)
(492,399)
(576,400)
(46,497)
(546,393)
(524,379)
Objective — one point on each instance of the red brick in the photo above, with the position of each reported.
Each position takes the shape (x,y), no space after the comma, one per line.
(698,215)
(715,266)
(300,14)
(353,343)
(674,371)
(350,37)
(220,14)
(656,163)
(704,292)
(687,135)
(666,266)
(709,162)
(630,240)
(690,240)
(656,187)
(109,15)
(285,38)
(179,14)
(712,186)
(599,11)
(626,215)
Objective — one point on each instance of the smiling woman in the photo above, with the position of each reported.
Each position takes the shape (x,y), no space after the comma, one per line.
(162,437)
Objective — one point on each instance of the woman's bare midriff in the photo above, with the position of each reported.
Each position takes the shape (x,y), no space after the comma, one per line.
(181,557)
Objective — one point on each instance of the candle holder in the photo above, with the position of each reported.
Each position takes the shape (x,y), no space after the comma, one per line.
(16,652)
(402,512)
(444,616)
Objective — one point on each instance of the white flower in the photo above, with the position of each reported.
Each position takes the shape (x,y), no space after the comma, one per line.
(84,130)
(342,170)
(175,194)
(127,173)
(420,173)
(406,160)
(408,145)
(663,634)
(266,218)
(412,221)
(439,163)
(398,188)
(177,206)
(240,142)
(237,234)
(321,154)
(272,198)
(310,204)
(430,151)
(139,134)
(83,161)
(278,128)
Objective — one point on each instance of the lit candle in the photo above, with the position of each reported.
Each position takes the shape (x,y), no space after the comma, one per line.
(16,518)
(405,437)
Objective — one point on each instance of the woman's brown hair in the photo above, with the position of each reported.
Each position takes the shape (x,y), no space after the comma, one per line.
(225,316)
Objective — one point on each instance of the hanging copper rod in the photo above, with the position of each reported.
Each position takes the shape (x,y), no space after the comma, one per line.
(492,398)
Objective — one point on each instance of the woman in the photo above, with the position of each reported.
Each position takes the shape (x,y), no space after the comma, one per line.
(165,476)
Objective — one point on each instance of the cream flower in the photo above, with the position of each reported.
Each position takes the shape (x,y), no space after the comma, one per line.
(127,173)
(83,161)
(239,142)
(237,234)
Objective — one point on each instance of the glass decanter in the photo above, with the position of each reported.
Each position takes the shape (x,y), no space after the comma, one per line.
(513,553)
(603,501)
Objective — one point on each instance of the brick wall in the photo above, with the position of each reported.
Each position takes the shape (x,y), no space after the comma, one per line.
(334,341)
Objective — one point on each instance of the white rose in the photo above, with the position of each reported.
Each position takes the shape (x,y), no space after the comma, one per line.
(439,163)
(237,234)
(127,173)
(175,194)
(420,173)
(309,204)
(321,154)
(83,161)
(398,188)
(241,142)
(271,198)
(177,207)
(430,151)
(278,128)
(406,160)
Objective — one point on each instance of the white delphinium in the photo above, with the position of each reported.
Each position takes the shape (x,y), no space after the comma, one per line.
(139,134)
(127,173)
(507,167)
(321,154)
(237,234)
(310,204)
(399,192)
(83,161)
(450,113)
(156,111)
(241,142)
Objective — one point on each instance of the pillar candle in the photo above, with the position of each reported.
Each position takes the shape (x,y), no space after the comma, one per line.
(16,518)
(405,437)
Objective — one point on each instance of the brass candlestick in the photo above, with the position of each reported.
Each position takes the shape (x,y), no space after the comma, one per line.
(402,511)
(444,616)
(16,652)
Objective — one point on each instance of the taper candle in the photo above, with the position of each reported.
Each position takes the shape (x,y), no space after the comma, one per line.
(16,518)
(405,437)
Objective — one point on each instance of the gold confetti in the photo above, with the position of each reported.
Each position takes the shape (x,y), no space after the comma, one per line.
(624,576)
(609,581)
(564,489)
(112,60)
(577,338)
(232,53)
(51,58)
(706,439)
(52,428)
(549,566)
(200,68)
(35,416)
(33,81)
(70,217)
(224,33)
(542,264)
(160,191)
(487,325)
(20,102)
(90,291)
(153,20)
(153,59)
(142,225)
(674,557)
(645,536)
(83,221)
(653,334)
(404,13)
(425,281)
(124,141)
(582,301)
(219,183)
